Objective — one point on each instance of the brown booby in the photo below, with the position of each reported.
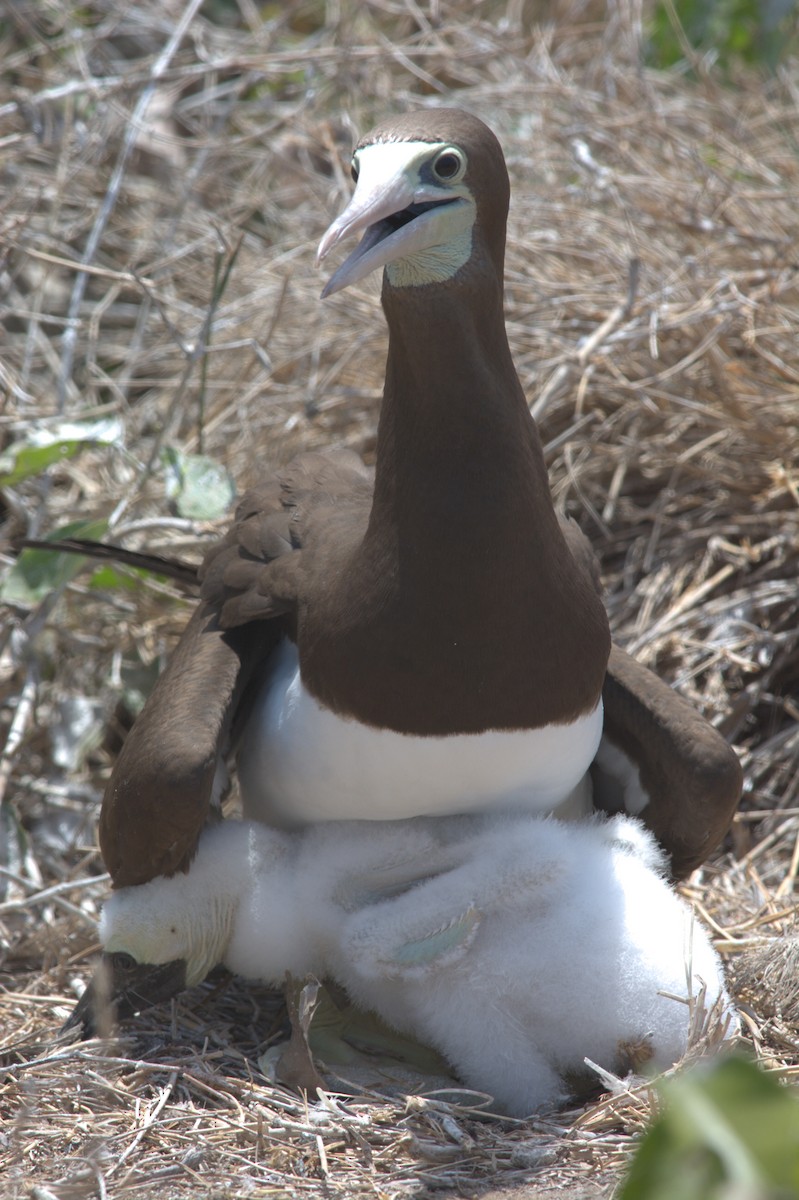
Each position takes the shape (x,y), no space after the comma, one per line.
(430,639)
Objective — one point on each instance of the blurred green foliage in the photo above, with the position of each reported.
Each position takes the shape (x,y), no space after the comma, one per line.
(200,488)
(42,447)
(756,32)
(728,1131)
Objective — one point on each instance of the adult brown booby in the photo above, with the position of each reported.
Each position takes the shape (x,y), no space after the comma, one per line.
(429,640)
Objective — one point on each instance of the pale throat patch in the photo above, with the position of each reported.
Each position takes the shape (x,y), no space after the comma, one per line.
(434,265)
(300,762)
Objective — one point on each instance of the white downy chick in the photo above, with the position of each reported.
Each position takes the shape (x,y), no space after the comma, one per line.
(516,946)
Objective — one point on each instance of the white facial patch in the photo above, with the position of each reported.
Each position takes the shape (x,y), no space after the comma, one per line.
(448,230)
(380,163)
(427,248)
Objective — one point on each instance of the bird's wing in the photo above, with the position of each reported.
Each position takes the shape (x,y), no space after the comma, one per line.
(163,785)
(256,571)
(408,858)
(411,935)
(660,757)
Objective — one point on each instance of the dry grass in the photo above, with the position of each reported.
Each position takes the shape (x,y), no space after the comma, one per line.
(653,308)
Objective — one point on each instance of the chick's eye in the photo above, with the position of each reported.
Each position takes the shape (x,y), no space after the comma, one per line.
(122,961)
(354,171)
(448,164)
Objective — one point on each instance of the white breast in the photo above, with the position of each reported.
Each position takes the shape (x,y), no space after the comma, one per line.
(300,763)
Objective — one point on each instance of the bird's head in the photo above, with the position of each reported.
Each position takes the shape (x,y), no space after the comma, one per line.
(158,938)
(431,195)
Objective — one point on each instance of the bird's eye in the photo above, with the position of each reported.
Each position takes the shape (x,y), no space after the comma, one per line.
(354,170)
(449,165)
(122,961)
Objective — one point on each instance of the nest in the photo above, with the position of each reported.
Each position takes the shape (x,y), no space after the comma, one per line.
(166,178)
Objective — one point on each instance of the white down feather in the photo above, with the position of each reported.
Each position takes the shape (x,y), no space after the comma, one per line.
(517,946)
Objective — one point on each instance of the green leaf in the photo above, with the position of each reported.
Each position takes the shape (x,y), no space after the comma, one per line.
(758,32)
(106,578)
(201,488)
(40,448)
(36,573)
(727,1128)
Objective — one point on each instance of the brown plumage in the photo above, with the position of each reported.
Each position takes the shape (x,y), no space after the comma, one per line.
(441,597)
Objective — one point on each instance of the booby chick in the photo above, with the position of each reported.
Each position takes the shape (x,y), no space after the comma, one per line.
(430,639)
(515,946)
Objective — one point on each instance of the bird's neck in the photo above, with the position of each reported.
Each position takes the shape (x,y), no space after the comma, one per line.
(464,561)
(460,472)
(463,573)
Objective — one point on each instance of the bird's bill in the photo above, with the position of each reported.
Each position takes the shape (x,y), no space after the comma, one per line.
(397,213)
(120,990)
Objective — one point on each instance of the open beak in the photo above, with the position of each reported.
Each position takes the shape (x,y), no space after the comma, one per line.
(119,990)
(393,209)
